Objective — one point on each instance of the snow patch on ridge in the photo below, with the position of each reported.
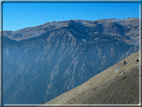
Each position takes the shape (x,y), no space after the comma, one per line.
(117,69)
(69,34)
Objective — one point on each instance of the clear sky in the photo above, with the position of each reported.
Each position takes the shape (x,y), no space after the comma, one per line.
(20,15)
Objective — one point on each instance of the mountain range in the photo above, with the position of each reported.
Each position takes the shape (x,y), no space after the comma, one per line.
(41,62)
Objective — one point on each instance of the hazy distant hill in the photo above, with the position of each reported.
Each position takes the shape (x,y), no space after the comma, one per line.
(40,63)
(118,84)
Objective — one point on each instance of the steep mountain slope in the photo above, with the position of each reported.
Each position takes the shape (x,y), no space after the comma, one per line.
(118,84)
(41,62)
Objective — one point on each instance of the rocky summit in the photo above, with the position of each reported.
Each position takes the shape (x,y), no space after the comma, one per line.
(41,62)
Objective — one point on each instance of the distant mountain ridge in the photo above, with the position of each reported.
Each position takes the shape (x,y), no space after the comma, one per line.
(126,28)
(43,61)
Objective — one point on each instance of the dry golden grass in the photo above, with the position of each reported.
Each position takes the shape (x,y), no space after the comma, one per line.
(108,87)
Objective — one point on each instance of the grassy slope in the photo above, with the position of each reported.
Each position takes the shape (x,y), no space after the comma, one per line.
(108,87)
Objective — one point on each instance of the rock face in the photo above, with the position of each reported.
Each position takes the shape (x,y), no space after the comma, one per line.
(40,63)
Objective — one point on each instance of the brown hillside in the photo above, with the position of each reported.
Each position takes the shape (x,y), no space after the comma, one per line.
(118,84)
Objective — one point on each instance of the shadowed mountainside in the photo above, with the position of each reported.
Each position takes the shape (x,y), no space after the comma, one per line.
(118,84)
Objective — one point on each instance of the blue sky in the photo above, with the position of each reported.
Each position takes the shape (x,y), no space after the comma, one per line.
(20,15)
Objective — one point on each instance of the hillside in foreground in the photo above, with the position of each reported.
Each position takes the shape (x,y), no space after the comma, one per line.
(118,84)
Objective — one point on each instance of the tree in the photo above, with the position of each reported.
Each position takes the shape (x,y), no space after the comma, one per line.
(124,62)
(137,60)
(67,89)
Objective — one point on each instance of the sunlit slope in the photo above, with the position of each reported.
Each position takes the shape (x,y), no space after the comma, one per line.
(118,84)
